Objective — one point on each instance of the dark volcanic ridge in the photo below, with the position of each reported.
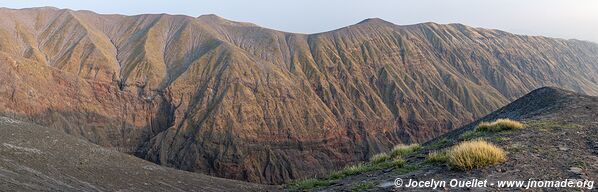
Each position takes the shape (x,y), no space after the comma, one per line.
(559,142)
(239,101)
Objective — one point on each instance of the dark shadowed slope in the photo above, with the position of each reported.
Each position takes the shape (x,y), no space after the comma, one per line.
(240,101)
(560,141)
(35,158)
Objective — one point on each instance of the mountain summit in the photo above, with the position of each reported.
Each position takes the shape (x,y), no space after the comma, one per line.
(239,101)
(374,21)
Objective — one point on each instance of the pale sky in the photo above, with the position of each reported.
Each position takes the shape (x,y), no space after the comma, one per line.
(577,19)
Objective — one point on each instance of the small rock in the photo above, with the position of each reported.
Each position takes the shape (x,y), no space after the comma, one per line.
(576,170)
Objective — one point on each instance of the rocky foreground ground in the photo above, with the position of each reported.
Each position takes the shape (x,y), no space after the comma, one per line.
(35,158)
(560,142)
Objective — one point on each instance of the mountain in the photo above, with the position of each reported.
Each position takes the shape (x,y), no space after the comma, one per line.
(239,101)
(559,142)
(35,158)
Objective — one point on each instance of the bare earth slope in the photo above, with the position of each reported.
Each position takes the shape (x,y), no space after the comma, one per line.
(35,158)
(239,101)
(559,142)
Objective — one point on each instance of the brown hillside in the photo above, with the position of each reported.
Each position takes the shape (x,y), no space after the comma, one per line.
(239,101)
(36,158)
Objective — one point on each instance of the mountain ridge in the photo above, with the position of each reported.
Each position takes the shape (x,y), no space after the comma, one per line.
(256,25)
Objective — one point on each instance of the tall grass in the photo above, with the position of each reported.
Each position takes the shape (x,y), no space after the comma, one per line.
(470,155)
(402,150)
(378,158)
(500,125)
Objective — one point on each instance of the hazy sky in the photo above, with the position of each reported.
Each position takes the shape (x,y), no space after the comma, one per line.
(554,18)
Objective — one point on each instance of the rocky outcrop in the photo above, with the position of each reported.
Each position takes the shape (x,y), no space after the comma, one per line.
(240,101)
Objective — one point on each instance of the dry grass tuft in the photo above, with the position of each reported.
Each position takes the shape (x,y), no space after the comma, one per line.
(470,155)
(402,150)
(378,158)
(500,125)
(437,157)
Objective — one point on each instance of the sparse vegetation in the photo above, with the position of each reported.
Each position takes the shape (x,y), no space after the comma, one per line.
(367,167)
(500,139)
(310,184)
(437,157)
(378,158)
(438,144)
(469,135)
(407,169)
(377,162)
(549,125)
(402,150)
(398,162)
(364,186)
(470,155)
(351,170)
(500,125)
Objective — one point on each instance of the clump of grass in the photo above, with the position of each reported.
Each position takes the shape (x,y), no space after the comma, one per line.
(367,167)
(470,155)
(378,158)
(402,150)
(500,125)
(351,170)
(437,157)
(398,162)
(310,184)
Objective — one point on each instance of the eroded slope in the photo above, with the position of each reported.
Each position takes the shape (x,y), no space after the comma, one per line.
(35,158)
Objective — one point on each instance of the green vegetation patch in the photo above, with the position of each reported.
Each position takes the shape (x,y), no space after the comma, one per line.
(310,184)
(470,135)
(438,144)
(367,167)
(437,157)
(377,162)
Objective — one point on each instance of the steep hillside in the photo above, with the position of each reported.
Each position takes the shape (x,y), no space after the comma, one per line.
(240,101)
(559,142)
(35,158)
